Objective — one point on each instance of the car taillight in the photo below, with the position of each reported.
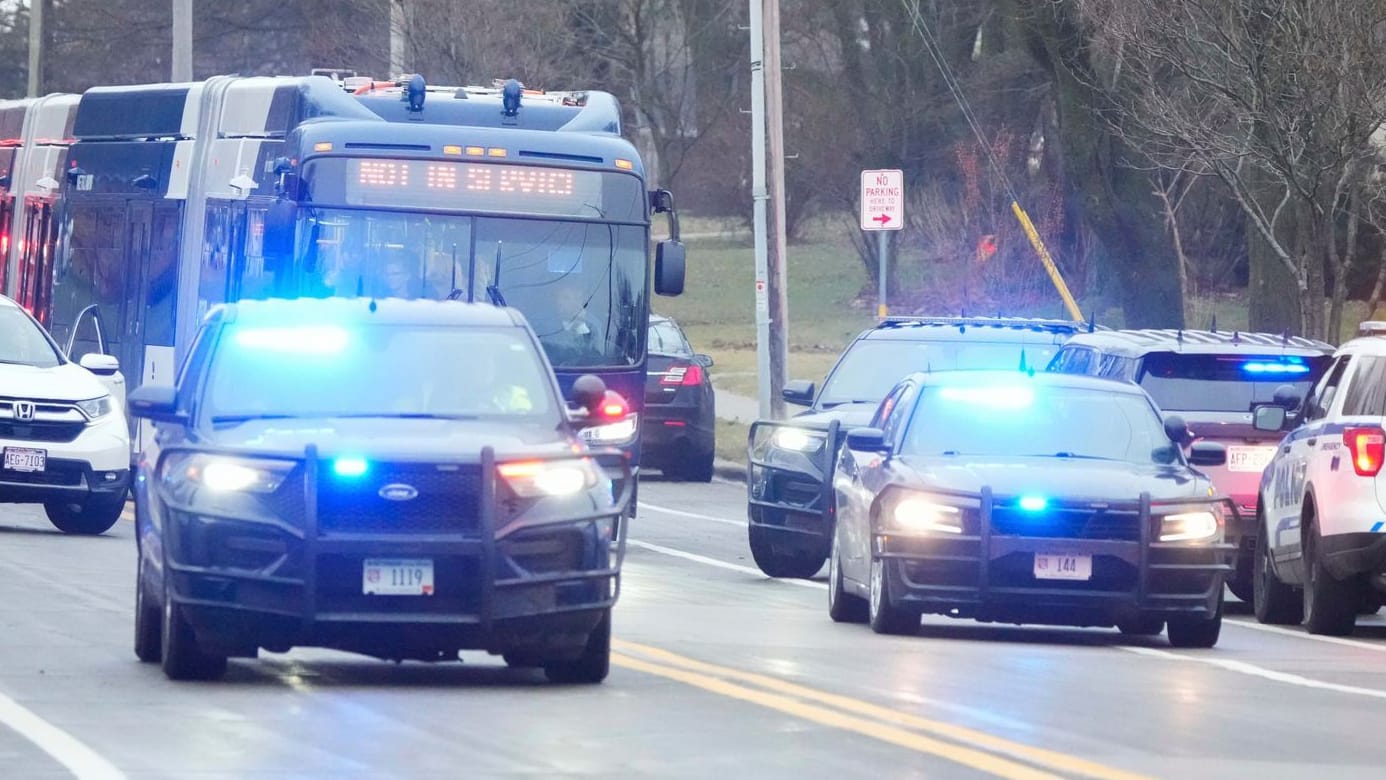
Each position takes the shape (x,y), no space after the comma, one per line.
(684,375)
(1368,449)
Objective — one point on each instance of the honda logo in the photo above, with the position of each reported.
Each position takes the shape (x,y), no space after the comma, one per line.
(23,410)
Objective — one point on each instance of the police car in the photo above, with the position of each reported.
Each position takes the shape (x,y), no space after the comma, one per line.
(400,479)
(1321,551)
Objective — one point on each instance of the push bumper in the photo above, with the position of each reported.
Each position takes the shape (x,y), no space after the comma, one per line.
(790,491)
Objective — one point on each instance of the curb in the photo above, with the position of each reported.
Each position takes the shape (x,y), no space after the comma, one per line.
(729,469)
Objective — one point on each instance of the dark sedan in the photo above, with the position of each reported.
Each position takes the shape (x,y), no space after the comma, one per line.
(1021,498)
(679,433)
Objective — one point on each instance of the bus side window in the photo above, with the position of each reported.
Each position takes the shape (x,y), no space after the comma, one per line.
(253,276)
(161,287)
(216,255)
(93,273)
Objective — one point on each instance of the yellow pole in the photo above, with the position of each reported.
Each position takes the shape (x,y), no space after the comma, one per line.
(1048,261)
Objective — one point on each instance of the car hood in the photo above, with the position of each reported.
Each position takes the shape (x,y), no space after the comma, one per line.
(390,438)
(1054,477)
(68,382)
(850,415)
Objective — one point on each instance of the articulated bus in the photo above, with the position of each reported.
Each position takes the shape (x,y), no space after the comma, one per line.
(176,197)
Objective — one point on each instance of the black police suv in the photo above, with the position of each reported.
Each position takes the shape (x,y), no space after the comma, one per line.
(789,486)
(1028,498)
(679,433)
(395,478)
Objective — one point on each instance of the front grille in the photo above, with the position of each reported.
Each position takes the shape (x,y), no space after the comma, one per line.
(1068,524)
(448,500)
(41,431)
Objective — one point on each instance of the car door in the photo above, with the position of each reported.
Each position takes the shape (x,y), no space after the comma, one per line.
(1286,486)
(866,474)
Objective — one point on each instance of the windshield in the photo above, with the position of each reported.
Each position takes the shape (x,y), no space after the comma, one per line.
(23,342)
(1027,419)
(1224,383)
(871,367)
(667,339)
(331,371)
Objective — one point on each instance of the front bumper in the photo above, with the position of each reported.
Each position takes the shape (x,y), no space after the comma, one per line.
(83,460)
(63,480)
(988,574)
(294,578)
(789,493)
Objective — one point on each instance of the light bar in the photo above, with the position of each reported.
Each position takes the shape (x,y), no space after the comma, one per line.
(1262,367)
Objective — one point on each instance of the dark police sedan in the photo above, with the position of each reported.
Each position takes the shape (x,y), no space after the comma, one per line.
(395,478)
(679,433)
(1021,498)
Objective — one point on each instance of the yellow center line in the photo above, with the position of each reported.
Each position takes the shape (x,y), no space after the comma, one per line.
(976,759)
(979,739)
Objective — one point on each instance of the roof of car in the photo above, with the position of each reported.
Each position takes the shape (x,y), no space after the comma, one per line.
(1138,342)
(974,328)
(8,302)
(989,378)
(391,311)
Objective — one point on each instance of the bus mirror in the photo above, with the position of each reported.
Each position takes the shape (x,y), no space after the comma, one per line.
(280,221)
(669,267)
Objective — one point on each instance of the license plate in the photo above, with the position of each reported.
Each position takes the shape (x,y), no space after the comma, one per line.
(397,577)
(1063,567)
(25,459)
(1249,458)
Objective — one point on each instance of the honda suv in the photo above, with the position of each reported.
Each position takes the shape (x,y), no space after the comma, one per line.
(1213,380)
(64,442)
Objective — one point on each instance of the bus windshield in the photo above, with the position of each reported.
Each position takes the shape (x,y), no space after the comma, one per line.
(581,284)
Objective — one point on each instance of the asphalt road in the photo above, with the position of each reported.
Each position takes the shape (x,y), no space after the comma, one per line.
(717,671)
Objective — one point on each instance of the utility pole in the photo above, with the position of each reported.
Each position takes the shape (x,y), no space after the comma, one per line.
(397,38)
(759,196)
(35,46)
(182,40)
(768,121)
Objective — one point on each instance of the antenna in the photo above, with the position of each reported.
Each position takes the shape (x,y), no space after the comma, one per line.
(493,289)
(1236,337)
(1213,326)
(360,285)
(1092,322)
(1179,335)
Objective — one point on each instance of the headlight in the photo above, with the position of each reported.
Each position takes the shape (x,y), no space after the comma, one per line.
(918,515)
(225,474)
(1200,526)
(537,478)
(619,432)
(96,407)
(798,439)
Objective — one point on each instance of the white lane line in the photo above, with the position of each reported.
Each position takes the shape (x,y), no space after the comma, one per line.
(688,556)
(664,510)
(1332,640)
(1252,670)
(76,757)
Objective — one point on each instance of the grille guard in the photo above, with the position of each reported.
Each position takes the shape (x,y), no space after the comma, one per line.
(801,465)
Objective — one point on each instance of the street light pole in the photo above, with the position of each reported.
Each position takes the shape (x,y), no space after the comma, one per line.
(182,40)
(759,196)
(35,46)
(779,301)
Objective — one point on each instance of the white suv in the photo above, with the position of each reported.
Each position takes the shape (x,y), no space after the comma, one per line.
(64,441)
(1321,548)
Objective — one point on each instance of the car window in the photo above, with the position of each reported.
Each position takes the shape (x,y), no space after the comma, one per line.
(899,413)
(1366,393)
(327,371)
(870,367)
(23,342)
(1025,419)
(1318,404)
(1073,360)
(1114,367)
(1224,383)
(667,339)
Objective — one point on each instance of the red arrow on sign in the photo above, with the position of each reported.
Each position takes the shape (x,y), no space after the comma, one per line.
(883,219)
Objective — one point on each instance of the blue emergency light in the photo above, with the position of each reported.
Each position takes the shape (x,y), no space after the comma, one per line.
(349,467)
(1034,503)
(1274,367)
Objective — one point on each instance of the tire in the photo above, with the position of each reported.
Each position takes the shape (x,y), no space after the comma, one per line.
(595,662)
(843,607)
(1243,584)
(182,658)
(1142,625)
(1274,602)
(148,622)
(698,468)
(1330,604)
(1196,631)
(94,516)
(792,565)
(882,614)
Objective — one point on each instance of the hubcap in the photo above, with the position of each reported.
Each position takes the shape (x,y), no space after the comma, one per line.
(833,582)
(877,585)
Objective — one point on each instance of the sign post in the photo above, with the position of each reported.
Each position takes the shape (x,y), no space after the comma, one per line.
(882,210)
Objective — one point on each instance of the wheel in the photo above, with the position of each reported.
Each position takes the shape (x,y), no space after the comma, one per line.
(1196,631)
(884,616)
(148,628)
(182,658)
(1274,602)
(1142,625)
(1243,584)
(797,565)
(594,663)
(843,607)
(1330,604)
(95,516)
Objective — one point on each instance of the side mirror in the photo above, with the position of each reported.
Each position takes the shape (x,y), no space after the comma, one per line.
(280,221)
(669,267)
(1177,430)
(155,402)
(99,364)
(1208,453)
(867,440)
(703,360)
(588,393)
(1286,397)
(798,392)
(1269,418)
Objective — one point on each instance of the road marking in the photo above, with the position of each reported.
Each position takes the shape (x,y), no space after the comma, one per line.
(688,556)
(872,720)
(1252,670)
(694,515)
(1332,640)
(77,758)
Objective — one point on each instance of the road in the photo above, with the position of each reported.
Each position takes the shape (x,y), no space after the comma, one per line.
(717,671)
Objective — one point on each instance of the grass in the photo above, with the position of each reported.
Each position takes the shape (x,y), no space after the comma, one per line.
(731,441)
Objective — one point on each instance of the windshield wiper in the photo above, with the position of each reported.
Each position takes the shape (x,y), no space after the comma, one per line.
(236,419)
(831,404)
(1073,455)
(404,416)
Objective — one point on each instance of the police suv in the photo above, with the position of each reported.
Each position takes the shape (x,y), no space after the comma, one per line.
(400,479)
(1321,550)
